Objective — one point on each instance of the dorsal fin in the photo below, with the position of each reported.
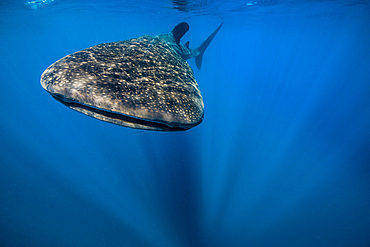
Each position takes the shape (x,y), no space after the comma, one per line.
(187,44)
(179,31)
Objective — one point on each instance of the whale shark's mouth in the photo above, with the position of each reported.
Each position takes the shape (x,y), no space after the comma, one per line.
(119,118)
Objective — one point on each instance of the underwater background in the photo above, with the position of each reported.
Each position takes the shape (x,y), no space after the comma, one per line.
(282,157)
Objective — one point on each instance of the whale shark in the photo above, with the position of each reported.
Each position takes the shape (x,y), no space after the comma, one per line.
(143,83)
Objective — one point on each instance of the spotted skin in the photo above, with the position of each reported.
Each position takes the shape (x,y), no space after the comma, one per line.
(140,83)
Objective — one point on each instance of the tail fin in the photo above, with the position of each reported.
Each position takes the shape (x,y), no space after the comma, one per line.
(203,47)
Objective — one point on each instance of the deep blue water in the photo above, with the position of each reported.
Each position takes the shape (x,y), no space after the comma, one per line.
(282,157)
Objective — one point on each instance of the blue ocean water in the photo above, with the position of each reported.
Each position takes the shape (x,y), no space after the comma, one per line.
(282,157)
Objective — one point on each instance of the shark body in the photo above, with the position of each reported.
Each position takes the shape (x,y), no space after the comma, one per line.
(142,83)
